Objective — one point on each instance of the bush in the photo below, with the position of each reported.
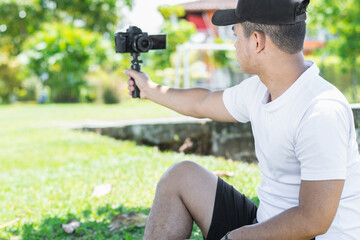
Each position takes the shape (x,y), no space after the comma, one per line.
(60,55)
(339,74)
(110,96)
(10,80)
(106,85)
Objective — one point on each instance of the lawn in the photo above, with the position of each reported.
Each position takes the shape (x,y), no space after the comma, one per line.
(48,171)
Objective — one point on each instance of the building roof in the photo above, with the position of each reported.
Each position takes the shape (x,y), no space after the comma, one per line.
(208,5)
(311,45)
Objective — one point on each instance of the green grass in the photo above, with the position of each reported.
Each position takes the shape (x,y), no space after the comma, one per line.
(48,172)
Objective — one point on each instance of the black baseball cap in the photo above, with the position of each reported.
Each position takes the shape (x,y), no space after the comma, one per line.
(263,12)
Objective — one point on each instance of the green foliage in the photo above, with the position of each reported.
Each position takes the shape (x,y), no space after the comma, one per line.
(22,18)
(48,173)
(61,54)
(96,15)
(178,32)
(18,19)
(223,58)
(339,74)
(110,96)
(62,38)
(167,11)
(10,70)
(342,19)
(105,85)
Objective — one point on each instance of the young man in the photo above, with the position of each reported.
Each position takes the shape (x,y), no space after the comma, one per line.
(304,134)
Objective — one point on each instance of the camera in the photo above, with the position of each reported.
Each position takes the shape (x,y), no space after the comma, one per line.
(136,41)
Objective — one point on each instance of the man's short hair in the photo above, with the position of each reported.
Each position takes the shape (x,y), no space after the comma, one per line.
(288,38)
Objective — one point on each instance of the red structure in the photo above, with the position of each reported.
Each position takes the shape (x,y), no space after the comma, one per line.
(200,13)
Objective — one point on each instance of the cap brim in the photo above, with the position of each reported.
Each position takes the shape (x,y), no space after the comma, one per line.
(226,17)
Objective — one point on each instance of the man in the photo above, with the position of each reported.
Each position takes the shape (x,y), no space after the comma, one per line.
(304,134)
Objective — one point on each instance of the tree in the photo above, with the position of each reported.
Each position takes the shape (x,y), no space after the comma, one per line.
(9,77)
(19,19)
(62,38)
(60,55)
(178,31)
(342,19)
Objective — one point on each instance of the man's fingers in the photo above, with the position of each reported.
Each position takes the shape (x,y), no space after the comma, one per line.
(131,82)
(141,78)
(131,88)
(132,73)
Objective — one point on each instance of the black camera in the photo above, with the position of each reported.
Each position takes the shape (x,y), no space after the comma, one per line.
(135,41)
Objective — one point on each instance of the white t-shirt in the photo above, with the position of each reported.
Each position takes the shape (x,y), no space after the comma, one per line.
(307,133)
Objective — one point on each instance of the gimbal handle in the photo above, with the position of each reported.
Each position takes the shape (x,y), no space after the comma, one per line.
(135,65)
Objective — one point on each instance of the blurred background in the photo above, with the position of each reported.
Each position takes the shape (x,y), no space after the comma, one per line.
(59,72)
(62,51)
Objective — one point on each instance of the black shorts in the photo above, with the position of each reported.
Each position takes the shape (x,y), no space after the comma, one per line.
(232,210)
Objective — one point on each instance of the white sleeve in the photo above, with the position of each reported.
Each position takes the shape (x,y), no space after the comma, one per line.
(236,100)
(322,141)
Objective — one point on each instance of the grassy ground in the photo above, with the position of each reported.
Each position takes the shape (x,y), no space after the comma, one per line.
(48,172)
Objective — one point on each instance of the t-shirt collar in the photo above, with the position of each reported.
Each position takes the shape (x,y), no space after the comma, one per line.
(309,73)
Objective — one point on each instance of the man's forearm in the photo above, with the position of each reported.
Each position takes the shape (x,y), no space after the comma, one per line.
(195,102)
(291,224)
(184,101)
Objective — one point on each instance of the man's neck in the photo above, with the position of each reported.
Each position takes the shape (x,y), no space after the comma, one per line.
(282,73)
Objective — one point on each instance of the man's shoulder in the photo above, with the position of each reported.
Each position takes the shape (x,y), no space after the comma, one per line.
(247,88)
(321,91)
(322,101)
(251,84)
(253,80)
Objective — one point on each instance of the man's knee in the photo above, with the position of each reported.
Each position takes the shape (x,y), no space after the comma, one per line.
(176,174)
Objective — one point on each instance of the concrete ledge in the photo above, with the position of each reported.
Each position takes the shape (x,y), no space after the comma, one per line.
(185,134)
(190,135)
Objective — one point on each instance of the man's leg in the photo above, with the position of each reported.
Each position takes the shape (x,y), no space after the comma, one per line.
(186,192)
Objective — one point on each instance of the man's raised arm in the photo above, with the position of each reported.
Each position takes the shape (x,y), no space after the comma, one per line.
(195,102)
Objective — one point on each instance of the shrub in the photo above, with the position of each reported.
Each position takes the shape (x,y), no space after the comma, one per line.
(10,70)
(60,55)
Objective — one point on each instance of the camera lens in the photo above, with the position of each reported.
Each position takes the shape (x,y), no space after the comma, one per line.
(144,44)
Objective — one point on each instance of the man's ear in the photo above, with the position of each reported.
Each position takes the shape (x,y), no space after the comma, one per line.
(259,41)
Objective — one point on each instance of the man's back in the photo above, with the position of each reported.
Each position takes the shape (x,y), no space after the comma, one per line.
(307,134)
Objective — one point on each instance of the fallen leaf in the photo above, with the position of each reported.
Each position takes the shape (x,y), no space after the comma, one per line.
(101,190)
(71,226)
(126,220)
(156,149)
(224,174)
(186,145)
(10,223)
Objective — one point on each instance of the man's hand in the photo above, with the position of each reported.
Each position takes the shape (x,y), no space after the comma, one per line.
(143,82)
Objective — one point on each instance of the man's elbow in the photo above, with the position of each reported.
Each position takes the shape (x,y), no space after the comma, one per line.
(198,110)
(319,225)
(318,229)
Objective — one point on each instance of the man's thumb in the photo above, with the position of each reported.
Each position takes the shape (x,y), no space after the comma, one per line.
(131,73)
